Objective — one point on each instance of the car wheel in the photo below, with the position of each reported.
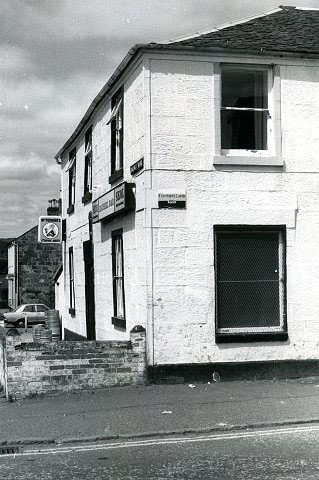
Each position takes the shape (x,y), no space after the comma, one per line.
(19,323)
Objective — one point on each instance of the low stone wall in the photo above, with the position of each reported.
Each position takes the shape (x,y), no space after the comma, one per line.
(32,369)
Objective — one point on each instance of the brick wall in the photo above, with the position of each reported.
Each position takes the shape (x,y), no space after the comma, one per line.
(33,369)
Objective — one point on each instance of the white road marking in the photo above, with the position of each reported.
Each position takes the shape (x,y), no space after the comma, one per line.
(169,441)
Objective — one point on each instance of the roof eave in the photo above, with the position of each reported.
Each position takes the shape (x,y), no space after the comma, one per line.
(171,47)
(127,59)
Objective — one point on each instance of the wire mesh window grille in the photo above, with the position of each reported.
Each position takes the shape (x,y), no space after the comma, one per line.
(118,276)
(250,280)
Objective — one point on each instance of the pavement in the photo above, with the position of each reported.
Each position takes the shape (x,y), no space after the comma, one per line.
(152,410)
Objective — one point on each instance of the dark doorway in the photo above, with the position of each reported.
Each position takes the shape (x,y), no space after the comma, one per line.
(89,289)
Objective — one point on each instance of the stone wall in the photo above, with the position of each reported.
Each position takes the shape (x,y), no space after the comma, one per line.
(53,368)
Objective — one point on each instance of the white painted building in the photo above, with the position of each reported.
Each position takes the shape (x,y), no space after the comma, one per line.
(191,197)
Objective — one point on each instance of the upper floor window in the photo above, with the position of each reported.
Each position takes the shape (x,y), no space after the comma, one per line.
(247,114)
(88,167)
(71,169)
(116,121)
(245,108)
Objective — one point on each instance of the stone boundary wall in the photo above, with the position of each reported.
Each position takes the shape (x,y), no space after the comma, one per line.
(32,369)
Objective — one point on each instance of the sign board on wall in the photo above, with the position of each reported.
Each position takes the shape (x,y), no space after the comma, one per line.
(50,229)
(115,202)
(137,166)
(172,200)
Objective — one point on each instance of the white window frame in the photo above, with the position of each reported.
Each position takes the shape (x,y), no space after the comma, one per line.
(88,162)
(271,156)
(71,169)
(118,275)
(71,279)
(117,133)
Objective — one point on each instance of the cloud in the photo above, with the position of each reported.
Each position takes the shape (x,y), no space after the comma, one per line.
(56,56)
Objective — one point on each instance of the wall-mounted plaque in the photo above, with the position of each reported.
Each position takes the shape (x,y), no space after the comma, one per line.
(171,200)
(115,202)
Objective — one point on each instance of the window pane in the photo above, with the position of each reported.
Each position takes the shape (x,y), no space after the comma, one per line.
(118,281)
(29,308)
(119,298)
(243,130)
(88,173)
(248,304)
(243,88)
(249,276)
(244,256)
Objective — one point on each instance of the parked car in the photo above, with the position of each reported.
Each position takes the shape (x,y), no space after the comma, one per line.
(34,311)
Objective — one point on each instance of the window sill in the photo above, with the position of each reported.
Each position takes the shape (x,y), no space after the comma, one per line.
(87,197)
(119,322)
(72,312)
(116,176)
(270,161)
(251,337)
(70,209)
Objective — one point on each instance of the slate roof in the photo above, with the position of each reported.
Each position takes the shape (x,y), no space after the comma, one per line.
(287,29)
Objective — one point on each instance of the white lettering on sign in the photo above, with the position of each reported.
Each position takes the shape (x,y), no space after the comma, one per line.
(112,203)
(119,194)
(106,205)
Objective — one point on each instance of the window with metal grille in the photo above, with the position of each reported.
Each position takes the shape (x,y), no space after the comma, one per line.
(118,279)
(245,107)
(71,279)
(88,162)
(250,280)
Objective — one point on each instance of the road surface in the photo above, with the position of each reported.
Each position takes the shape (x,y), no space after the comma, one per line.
(281,453)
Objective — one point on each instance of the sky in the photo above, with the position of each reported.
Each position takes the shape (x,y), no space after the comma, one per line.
(55,56)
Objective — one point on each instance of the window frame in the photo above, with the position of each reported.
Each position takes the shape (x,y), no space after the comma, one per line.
(244,334)
(71,282)
(88,159)
(71,169)
(272,155)
(117,135)
(118,320)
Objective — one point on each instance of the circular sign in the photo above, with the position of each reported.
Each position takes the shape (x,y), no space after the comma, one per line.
(50,230)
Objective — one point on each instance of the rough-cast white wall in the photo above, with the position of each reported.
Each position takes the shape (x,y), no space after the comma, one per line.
(182,156)
(77,222)
(77,231)
(132,223)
